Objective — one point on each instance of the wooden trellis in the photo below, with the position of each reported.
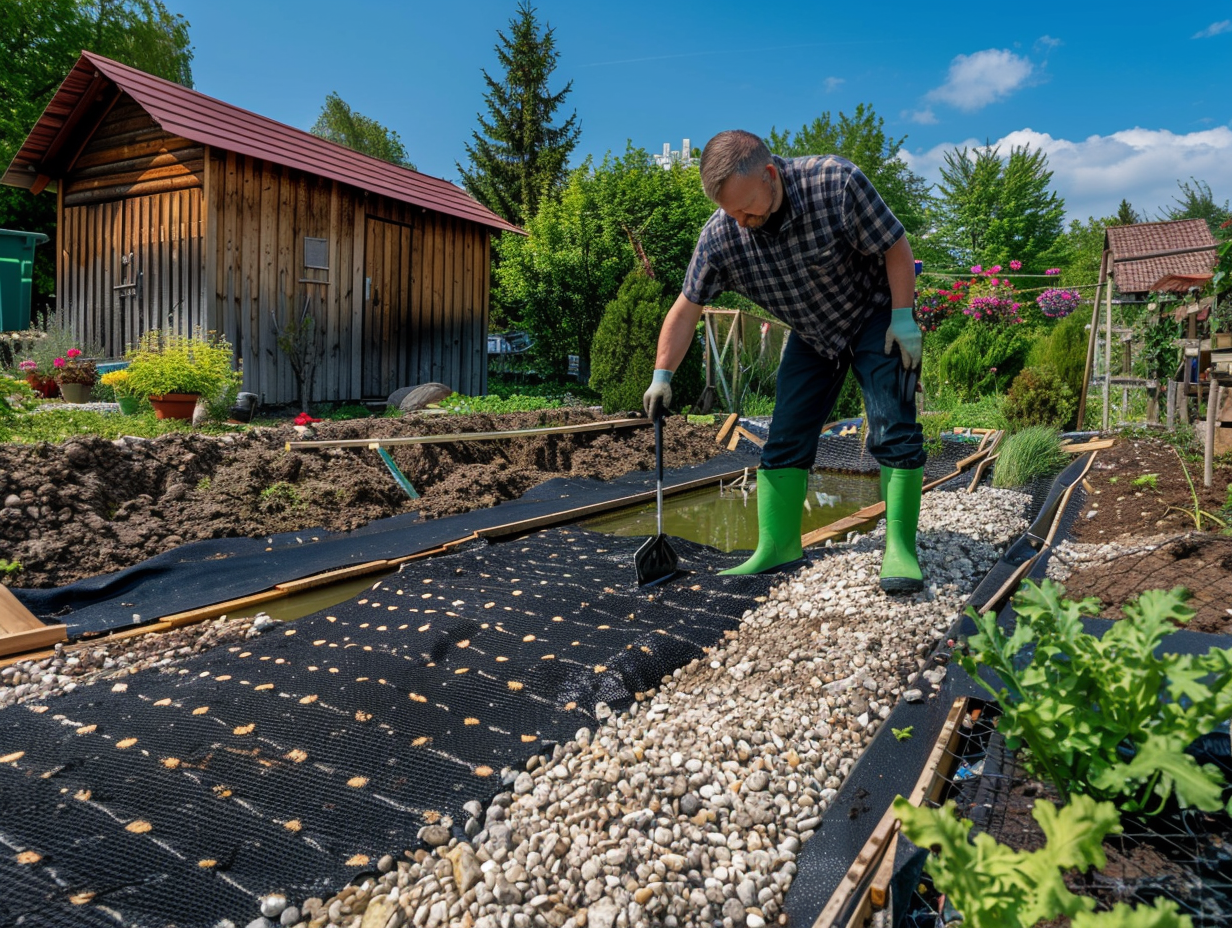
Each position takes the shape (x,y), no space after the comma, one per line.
(740,347)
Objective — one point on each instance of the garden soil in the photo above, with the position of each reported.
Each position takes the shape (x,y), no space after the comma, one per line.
(1118,511)
(92,506)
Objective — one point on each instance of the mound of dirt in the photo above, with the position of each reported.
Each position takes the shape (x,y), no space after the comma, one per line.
(91,506)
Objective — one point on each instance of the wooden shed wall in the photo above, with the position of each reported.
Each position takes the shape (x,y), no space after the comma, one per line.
(131,232)
(433,325)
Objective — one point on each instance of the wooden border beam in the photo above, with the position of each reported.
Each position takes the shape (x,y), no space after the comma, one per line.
(609,426)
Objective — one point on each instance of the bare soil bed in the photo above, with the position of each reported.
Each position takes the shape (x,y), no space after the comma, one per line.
(1162,514)
(91,506)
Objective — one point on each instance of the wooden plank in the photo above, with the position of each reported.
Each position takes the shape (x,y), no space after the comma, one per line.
(19,642)
(843,526)
(130,179)
(734,440)
(745,433)
(609,425)
(14,617)
(875,849)
(204,613)
(140,166)
(332,576)
(163,185)
(727,426)
(119,154)
(1101,444)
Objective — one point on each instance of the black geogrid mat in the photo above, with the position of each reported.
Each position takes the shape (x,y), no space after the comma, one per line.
(190,576)
(295,761)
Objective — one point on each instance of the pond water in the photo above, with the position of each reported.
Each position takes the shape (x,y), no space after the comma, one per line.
(727,519)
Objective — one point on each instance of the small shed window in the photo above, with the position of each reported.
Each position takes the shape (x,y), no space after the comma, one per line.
(316,253)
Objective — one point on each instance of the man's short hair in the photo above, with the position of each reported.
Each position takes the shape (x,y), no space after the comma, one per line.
(732,152)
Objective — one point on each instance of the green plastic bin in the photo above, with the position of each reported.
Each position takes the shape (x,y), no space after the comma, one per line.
(16,277)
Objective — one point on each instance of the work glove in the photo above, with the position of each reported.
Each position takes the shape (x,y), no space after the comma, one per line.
(906,333)
(659,396)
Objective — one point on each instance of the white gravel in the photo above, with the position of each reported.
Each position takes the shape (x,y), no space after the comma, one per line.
(690,808)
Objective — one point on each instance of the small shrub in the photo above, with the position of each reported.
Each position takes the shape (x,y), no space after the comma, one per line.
(984,412)
(622,359)
(1064,349)
(757,405)
(1039,396)
(165,362)
(983,359)
(496,405)
(1033,452)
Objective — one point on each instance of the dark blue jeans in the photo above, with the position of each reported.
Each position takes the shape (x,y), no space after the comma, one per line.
(808,386)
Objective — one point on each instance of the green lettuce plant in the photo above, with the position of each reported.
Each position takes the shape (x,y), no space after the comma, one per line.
(994,886)
(1107,716)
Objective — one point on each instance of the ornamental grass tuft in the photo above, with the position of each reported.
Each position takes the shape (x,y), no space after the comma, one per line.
(1030,453)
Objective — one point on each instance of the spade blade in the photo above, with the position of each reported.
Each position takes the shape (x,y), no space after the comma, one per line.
(656,561)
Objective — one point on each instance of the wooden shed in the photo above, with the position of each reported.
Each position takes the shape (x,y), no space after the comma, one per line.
(176,210)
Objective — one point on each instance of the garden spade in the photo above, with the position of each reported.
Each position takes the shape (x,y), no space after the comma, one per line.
(656,561)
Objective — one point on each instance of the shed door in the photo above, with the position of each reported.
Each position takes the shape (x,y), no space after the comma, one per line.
(387,307)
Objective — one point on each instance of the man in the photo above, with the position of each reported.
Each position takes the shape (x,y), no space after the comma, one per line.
(812,242)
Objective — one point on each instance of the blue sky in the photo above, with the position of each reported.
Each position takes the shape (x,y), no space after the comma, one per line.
(1126,99)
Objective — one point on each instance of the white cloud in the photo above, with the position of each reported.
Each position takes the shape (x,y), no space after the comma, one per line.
(1047,43)
(834,83)
(924,117)
(1094,174)
(981,78)
(1224,25)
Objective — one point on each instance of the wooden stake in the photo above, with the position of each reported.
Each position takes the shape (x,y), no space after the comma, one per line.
(608,426)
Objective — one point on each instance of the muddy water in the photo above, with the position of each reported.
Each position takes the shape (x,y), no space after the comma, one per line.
(298,605)
(728,520)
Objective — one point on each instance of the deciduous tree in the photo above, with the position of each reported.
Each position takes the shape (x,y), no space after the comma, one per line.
(518,157)
(861,138)
(557,280)
(1198,202)
(339,123)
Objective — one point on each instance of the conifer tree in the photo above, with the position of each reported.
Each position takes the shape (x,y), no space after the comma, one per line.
(518,156)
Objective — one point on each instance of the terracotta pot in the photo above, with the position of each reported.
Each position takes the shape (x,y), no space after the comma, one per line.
(128,404)
(45,387)
(175,405)
(76,392)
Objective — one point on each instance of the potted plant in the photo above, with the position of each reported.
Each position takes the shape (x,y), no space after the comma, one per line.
(76,376)
(173,371)
(121,385)
(43,383)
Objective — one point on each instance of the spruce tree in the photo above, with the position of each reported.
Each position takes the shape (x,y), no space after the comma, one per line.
(518,156)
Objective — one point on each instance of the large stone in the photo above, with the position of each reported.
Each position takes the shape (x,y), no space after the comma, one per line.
(466,872)
(602,914)
(408,399)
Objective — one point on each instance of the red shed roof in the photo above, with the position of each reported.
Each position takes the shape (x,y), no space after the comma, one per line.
(200,118)
(1148,251)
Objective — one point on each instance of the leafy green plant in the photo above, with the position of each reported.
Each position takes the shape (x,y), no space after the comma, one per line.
(1033,452)
(1197,512)
(757,405)
(903,734)
(281,495)
(1108,717)
(1039,396)
(166,362)
(994,886)
(495,405)
(15,396)
(1151,481)
(1064,349)
(8,568)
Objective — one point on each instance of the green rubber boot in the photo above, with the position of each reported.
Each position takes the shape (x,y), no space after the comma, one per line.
(900,568)
(780,519)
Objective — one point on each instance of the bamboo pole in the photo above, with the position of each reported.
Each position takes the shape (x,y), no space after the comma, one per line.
(1212,411)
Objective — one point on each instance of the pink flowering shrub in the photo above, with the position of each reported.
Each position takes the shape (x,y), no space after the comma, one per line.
(1057,304)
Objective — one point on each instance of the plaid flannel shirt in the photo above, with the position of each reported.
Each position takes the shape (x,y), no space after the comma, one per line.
(824,272)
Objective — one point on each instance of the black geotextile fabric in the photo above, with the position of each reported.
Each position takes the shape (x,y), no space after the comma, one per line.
(192,575)
(889,767)
(294,762)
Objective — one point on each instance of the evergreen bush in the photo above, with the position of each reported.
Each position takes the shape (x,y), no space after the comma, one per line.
(983,359)
(622,360)
(1065,350)
(1039,396)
